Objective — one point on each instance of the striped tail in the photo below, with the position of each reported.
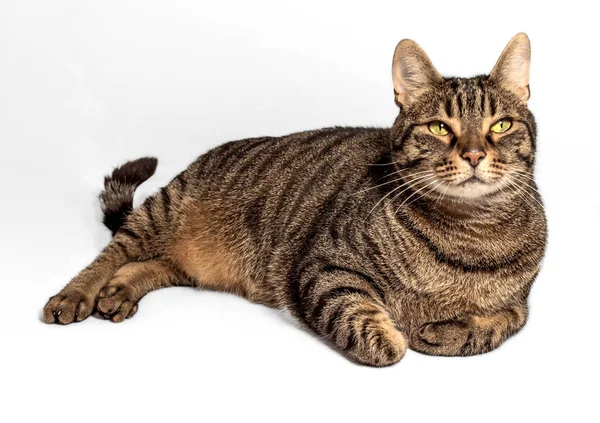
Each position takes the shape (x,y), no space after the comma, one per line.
(116,199)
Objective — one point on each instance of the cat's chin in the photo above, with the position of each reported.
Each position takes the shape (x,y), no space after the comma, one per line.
(472,189)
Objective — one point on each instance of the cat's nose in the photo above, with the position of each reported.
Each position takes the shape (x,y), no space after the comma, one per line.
(473,156)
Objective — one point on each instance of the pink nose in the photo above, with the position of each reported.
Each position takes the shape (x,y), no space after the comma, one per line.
(473,156)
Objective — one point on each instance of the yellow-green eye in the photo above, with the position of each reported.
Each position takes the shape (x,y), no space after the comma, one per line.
(501,126)
(438,128)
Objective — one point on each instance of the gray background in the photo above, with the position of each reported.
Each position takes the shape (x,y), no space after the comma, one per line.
(87,85)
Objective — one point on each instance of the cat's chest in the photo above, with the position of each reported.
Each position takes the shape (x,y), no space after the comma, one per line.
(438,291)
(428,282)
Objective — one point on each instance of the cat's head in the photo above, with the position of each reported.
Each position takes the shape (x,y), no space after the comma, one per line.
(463,137)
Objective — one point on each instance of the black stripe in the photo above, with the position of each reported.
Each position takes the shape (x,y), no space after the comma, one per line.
(166,201)
(375,285)
(296,267)
(488,346)
(244,160)
(529,130)
(448,107)
(123,249)
(493,104)
(332,295)
(363,328)
(148,208)
(467,347)
(238,149)
(515,259)
(374,253)
(459,103)
(284,146)
(182,181)
(454,84)
(391,354)
(333,318)
(351,338)
(306,290)
(129,232)
(405,136)
(368,320)
(527,159)
(482,93)
(315,176)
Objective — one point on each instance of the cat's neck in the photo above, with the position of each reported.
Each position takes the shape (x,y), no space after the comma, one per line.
(455,214)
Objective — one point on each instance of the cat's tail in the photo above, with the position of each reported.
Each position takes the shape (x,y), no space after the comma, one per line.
(116,199)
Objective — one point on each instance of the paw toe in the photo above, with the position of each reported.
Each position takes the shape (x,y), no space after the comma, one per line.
(122,312)
(108,305)
(67,308)
(429,334)
(132,312)
(108,291)
(116,303)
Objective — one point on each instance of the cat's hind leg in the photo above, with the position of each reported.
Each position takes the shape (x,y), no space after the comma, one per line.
(119,298)
(76,301)
(139,239)
(135,238)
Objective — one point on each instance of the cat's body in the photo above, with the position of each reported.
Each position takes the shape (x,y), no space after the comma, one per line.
(308,223)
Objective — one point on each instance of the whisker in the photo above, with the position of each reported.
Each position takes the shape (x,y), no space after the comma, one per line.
(397,188)
(409,187)
(526,184)
(383,164)
(420,189)
(426,193)
(392,181)
(521,172)
(404,170)
(523,190)
(515,189)
(524,177)
(444,193)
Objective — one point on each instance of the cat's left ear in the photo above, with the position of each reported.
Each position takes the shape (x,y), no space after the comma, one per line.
(512,68)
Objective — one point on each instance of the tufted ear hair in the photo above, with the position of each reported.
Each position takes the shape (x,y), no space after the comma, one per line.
(412,72)
(512,68)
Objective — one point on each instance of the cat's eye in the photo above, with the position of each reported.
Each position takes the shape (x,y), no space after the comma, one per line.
(501,126)
(439,128)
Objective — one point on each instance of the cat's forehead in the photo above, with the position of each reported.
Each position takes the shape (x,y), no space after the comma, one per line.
(470,101)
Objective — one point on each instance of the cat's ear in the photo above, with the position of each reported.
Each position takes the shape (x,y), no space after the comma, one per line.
(412,71)
(512,68)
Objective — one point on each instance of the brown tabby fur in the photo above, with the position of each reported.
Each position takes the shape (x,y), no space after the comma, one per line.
(375,239)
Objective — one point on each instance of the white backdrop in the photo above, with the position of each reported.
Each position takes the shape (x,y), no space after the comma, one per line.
(87,85)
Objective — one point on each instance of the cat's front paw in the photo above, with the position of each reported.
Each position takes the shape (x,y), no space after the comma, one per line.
(379,346)
(448,338)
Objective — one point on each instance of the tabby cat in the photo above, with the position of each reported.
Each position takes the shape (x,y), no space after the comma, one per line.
(425,235)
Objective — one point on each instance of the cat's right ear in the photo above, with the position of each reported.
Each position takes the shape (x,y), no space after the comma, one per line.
(412,72)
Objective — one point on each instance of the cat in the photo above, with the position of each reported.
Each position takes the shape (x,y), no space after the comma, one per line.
(426,235)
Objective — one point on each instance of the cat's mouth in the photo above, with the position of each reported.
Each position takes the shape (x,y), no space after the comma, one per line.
(472,180)
(472,187)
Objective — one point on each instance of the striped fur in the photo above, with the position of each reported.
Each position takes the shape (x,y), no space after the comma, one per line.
(373,238)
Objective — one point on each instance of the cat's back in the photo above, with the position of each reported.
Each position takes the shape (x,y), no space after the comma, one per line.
(272,166)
